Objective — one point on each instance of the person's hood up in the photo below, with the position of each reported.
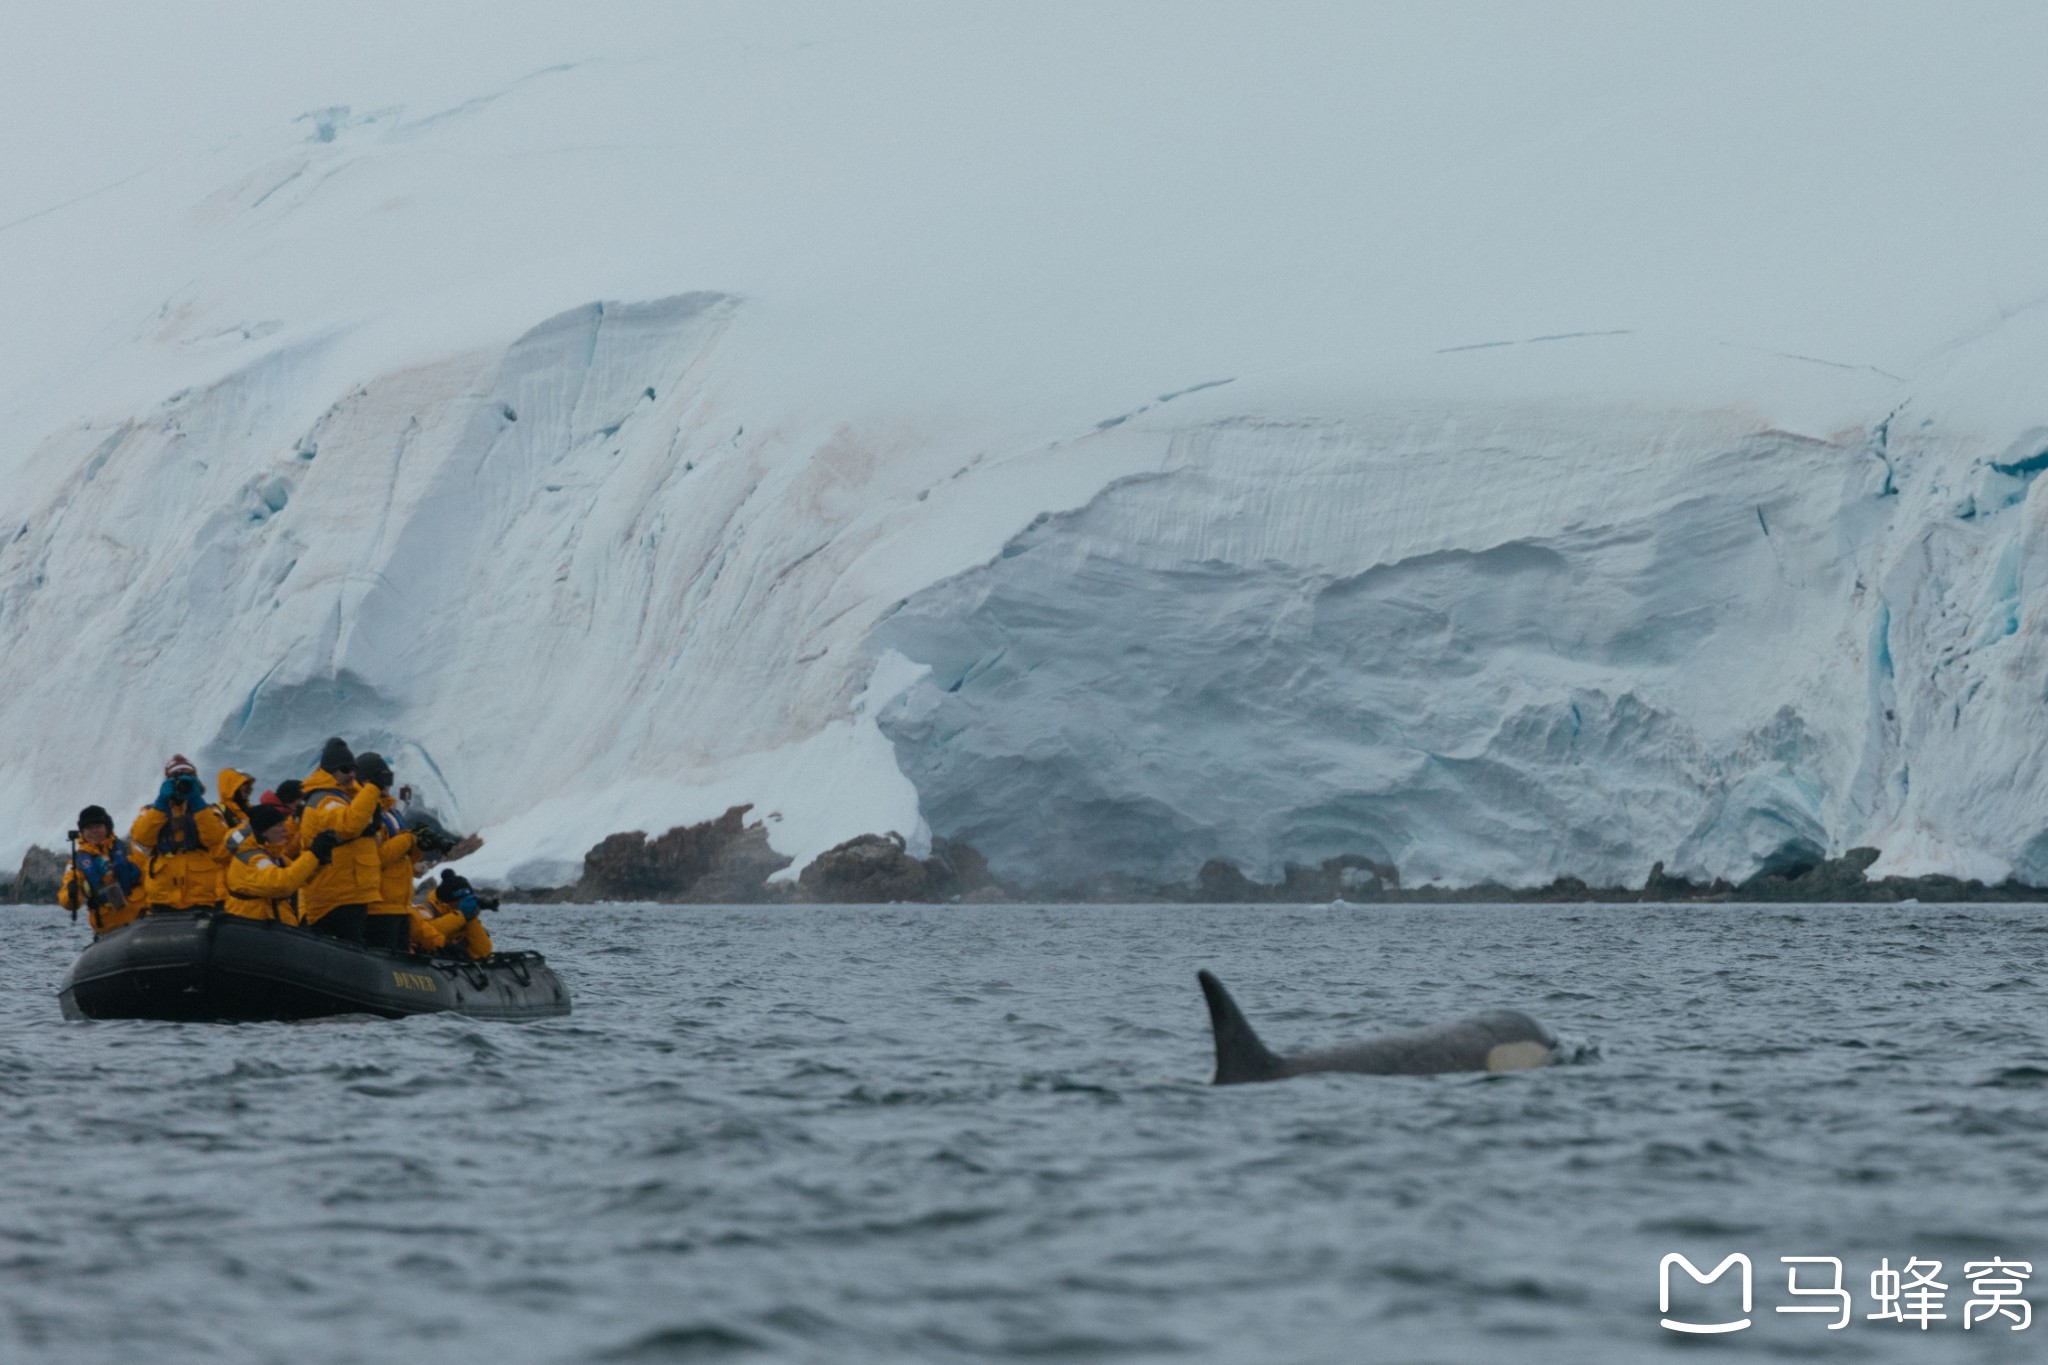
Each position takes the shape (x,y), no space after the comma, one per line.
(231,782)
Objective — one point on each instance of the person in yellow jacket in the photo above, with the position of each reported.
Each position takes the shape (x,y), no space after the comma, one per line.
(337,901)
(184,841)
(451,923)
(285,800)
(101,878)
(390,921)
(236,788)
(290,793)
(261,882)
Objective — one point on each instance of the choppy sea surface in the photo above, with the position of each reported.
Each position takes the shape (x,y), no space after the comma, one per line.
(901,1134)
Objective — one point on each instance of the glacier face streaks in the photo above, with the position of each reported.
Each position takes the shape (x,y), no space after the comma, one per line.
(587,582)
(550,565)
(1512,648)
(565,585)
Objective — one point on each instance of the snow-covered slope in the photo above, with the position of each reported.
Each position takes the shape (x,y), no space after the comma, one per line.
(560,584)
(1627,451)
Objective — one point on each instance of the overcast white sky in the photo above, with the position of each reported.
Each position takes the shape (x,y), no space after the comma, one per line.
(1086,195)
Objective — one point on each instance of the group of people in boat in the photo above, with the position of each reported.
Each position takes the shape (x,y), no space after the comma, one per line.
(330,854)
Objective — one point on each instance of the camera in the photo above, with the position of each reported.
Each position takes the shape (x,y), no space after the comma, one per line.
(71,834)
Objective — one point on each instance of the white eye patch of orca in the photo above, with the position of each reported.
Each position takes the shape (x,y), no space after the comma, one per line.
(1498,1040)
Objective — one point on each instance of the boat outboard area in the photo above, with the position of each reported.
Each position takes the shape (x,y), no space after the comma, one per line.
(218,967)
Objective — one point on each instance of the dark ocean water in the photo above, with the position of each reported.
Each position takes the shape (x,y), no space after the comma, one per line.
(983,1134)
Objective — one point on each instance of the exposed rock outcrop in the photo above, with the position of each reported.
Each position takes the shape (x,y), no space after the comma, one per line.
(722,861)
(877,868)
(728,861)
(42,872)
(957,871)
(867,870)
(1844,879)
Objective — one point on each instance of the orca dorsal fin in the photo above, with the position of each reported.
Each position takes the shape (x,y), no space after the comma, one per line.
(1240,1056)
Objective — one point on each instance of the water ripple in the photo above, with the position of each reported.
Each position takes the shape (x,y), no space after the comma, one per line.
(908,1134)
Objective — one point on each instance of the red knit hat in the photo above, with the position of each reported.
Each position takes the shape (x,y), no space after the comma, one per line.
(180,766)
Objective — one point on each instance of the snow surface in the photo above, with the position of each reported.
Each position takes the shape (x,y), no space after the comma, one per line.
(1626,453)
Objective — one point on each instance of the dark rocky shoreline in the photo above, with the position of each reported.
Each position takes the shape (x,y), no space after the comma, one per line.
(727,861)
(1361,881)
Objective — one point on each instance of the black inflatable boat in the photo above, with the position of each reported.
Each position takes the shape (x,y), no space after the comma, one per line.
(210,966)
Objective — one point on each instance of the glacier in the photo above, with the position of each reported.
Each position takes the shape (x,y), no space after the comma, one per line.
(1134,467)
(1501,644)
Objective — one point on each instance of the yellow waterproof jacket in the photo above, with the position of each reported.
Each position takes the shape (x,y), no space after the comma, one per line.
(395,847)
(232,814)
(430,927)
(259,887)
(180,854)
(118,907)
(355,875)
(440,928)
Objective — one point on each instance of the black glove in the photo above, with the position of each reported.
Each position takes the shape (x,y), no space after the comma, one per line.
(428,838)
(323,845)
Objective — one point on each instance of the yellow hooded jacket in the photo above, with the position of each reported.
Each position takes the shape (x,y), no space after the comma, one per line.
(395,848)
(231,783)
(259,887)
(355,875)
(183,853)
(292,847)
(441,928)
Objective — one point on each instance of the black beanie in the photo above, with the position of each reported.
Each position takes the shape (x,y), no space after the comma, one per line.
(372,768)
(95,815)
(263,818)
(335,757)
(290,790)
(453,883)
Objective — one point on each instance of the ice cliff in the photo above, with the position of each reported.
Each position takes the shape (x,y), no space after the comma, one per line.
(1504,642)
(1134,466)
